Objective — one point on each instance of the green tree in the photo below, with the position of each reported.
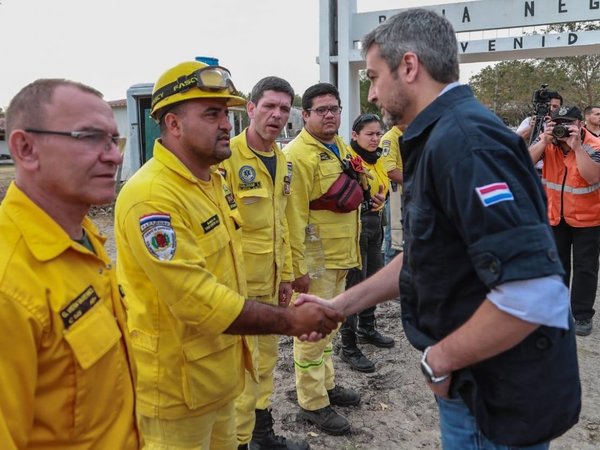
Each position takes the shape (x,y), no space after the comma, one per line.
(578,76)
(365,106)
(297,101)
(507,87)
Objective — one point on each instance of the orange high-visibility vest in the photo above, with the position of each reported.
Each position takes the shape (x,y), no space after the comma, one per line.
(569,194)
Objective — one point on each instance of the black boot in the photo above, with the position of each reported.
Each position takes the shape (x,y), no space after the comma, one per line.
(366,332)
(264,438)
(350,352)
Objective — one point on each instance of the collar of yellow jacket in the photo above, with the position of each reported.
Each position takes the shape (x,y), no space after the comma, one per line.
(310,139)
(45,238)
(240,142)
(166,157)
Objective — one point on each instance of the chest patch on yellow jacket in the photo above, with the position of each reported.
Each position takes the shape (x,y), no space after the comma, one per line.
(79,306)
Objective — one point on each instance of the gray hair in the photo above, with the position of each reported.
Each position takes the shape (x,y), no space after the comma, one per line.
(271,84)
(28,107)
(423,32)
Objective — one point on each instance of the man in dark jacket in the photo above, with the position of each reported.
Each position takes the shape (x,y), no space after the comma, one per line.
(480,278)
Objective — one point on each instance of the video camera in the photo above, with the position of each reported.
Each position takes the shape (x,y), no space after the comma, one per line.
(541,101)
(541,107)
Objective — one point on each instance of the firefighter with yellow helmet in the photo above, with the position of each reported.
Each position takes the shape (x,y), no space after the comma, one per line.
(178,235)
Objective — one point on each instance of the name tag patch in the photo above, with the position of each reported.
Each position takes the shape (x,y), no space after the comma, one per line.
(324,156)
(490,194)
(159,235)
(248,186)
(78,307)
(229,197)
(211,223)
(385,145)
(287,179)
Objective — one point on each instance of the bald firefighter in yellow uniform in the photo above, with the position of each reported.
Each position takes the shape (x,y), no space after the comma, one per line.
(178,234)
(66,371)
(316,155)
(259,178)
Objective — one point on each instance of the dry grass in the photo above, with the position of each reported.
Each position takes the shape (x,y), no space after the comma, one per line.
(7,174)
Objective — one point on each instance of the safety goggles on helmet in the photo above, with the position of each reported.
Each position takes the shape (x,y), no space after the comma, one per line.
(209,79)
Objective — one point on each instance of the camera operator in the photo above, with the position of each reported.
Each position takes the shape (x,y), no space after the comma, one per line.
(545,103)
(571,176)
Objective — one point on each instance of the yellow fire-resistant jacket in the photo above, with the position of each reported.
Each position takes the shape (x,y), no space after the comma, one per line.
(66,378)
(390,145)
(314,169)
(376,176)
(261,203)
(180,261)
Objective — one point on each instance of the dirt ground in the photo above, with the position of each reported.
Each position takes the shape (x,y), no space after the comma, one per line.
(397,411)
(7,174)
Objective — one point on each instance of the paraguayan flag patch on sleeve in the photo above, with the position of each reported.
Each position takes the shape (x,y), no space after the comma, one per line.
(490,194)
(159,235)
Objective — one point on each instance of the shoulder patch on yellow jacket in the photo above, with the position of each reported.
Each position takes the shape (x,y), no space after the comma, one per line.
(159,235)
(385,146)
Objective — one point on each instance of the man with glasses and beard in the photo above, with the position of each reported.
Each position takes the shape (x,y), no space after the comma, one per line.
(316,156)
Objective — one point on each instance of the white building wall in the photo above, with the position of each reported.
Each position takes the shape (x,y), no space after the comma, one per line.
(4,148)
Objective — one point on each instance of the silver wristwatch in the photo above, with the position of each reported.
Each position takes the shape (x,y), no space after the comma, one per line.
(428,371)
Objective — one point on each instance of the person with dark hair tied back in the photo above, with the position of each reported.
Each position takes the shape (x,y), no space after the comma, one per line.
(366,134)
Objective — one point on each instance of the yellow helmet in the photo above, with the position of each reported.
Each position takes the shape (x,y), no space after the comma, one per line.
(190,80)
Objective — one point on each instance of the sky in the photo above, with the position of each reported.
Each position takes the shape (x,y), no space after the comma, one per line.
(113,44)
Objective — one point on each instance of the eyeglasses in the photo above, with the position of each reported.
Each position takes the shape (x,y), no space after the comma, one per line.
(210,78)
(323,110)
(93,138)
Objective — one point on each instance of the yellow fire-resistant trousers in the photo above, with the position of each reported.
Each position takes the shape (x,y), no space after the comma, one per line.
(312,360)
(212,431)
(257,395)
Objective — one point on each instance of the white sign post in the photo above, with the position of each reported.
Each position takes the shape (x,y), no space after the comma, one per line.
(342,28)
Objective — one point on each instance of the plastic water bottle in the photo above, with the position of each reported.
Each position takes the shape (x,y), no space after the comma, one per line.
(313,252)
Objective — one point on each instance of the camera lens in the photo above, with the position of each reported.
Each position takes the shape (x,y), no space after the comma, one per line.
(560,131)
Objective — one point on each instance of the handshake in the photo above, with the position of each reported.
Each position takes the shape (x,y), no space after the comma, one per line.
(313,318)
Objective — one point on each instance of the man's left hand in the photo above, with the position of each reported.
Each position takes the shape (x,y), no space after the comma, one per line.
(377,200)
(285,293)
(574,139)
(441,389)
(436,360)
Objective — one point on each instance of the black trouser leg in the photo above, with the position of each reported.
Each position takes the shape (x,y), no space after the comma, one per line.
(586,249)
(563,239)
(348,332)
(366,317)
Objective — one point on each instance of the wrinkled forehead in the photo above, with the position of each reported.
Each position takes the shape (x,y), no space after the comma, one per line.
(78,109)
(325,100)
